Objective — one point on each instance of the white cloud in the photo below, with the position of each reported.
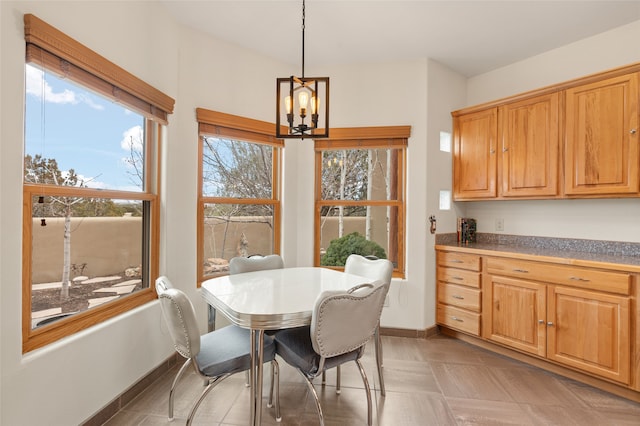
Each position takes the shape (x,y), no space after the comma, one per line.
(132,139)
(36,85)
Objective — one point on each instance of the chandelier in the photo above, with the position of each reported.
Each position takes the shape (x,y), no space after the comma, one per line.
(302,103)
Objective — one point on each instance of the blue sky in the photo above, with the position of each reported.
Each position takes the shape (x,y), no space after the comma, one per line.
(81,130)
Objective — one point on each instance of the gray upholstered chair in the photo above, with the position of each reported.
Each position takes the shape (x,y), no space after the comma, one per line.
(214,356)
(375,269)
(342,323)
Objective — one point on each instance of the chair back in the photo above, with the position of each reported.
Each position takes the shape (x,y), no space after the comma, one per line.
(238,265)
(180,317)
(378,269)
(343,321)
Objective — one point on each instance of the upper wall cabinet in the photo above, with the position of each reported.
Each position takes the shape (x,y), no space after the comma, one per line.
(528,161)
(474,155)
(578,139)
(601,137)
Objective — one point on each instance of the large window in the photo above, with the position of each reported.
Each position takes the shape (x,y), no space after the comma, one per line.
(360,195)
(239,194)
(90,191)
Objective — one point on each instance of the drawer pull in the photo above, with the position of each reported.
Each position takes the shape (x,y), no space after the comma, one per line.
(457,278)
(457,319)
(455,296)
(456,261)
(579,279)
(524,271)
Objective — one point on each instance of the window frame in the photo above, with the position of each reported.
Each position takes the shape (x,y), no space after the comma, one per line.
(365,138)
(215,123)
(53,50)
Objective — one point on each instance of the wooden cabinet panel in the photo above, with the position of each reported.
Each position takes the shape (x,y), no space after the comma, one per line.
(459,319)
(474,155)
(458,260)
(589,331)
(586,278)
(529,143)
(460,296)
(601,137)
(514,314)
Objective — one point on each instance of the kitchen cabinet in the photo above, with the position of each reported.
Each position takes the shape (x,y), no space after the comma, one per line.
(601,137)
(578,317)
(459,291)
(529,147)
(577,139)
(474,155)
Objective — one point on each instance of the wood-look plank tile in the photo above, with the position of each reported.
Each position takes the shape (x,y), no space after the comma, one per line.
(410,409)
(468,381)
(484,412)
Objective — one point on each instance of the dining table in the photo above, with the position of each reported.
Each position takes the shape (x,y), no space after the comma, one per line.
(271,300)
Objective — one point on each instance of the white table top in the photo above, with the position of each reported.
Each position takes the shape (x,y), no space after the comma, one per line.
(274,299)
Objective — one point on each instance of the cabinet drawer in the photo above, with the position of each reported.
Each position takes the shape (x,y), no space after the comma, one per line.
(459,276)
(609,281)
(459,260)
(459,319)
(462,297)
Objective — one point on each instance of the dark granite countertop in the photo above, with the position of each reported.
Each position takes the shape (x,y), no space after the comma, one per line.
(609,252)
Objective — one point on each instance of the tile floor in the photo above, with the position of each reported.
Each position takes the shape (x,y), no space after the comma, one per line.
(437,381)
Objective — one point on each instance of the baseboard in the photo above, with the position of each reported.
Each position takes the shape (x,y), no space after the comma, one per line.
(109,410)
(404,332)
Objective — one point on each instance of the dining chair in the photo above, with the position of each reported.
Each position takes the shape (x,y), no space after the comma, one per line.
(342,323)
(214,356)
(375,269)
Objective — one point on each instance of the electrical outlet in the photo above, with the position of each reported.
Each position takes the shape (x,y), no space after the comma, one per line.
(500,224)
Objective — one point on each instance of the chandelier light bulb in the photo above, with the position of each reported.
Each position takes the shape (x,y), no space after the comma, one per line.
(288,104)
(303,100)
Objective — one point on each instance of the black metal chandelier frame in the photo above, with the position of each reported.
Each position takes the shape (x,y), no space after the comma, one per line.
(304,96)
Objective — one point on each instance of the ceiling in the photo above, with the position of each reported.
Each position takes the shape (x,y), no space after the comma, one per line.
(471,37)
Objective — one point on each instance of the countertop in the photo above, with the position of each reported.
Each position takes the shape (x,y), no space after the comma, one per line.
(591,253)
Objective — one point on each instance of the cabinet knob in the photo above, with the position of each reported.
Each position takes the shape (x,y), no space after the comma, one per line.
(505,149)
(492,151)
(550,324)
(540,321)
(633,131)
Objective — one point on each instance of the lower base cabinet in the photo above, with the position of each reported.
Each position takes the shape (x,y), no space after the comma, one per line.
(582,318)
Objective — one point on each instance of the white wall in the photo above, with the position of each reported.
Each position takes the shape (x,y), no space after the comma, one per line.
(66,382)
(610,219)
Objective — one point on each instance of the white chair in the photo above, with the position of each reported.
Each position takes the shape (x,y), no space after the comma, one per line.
(214,356)
(374,269)
(238,265)
(342,323)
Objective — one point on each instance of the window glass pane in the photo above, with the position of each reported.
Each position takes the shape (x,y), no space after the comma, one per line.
(94,142)
(85,252)
(359,174)
(347,230)
(236,169)
(236,230)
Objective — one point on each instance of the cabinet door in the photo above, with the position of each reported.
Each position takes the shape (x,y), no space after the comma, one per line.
(529,143)
(474,155)
(601,137)
(590,331)
(514,313)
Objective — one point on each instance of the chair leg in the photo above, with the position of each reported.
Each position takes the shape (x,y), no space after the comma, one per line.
(204,393)
(173,387)
(315,397)
(378,345)
(324,378)
(338,390)
(275,381)
(367,390)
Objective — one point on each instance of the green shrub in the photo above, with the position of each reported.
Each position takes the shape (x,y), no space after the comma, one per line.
(354,243)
